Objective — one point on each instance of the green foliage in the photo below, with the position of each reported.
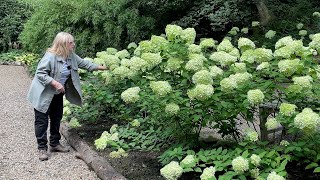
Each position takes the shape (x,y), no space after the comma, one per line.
(13,14)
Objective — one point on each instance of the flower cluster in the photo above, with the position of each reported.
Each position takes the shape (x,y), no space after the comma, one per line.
(245,30)
(146,46)
(283,42)
(255,173)
(132,45)
(188,35)
(223,58)
(274,176)
(113,128)
(173,64)
(263,55)
(316,14)
(194,49)
(245,44)
(215,71)
(263,65)
(287,109)
(172,109)
(207,43)
(284,143)
(74,123)
(135,123)
(202,77)
(111,51)
(252,135)
(240,164)
(235,52)
(299,26)
(171,171)
(107,75)
(303,32)
(130,95)
(225,46)
(201,92)
(270,34)
(271,123)
(248,56)
(255,23)
(208,173)
(121,72)
(315,43)
(255,160)
(119,153)
(160,88)
(239,67)
(255,97)
(158,42)
(105,139)
(303,81)
(234,81)
(173,31)
(195,63)
(111,60)
(288,67)
(122,54)
(283,52)
(152,59)
(188,161)
(307,120)
(137,64)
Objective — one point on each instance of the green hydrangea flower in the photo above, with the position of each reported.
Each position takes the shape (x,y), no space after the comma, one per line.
(118,154)
(131,95)
(135,123)
(171,171)
(173,31)
(284,143)
(287,109)
(188,161)
(245,44)
(138,64)
(201,92)
(132,45)
(303,32)
(194,49)
(248,56)
(235,52)
(255,160)
(208,173)
(271,123)
(202,77)
(303,81)
(255,97)
(270,34)
(215,71)
(223,58)
(263,65)
(239,67)
(228,84)
(316,14)
(207,43)
(245,30)
(123,54)
(255,173)
(288,66)
(283,42)
(263,55)
(160,88)
(74,123)
(158,43)
(225,46)
(111,51)
(251,135)
(113,128)
(121,72)
(172,109)
(299,26)
(255,23)
(188,35)
(307,120)
(315,43)
(284,52)
(195,63)
(152,59)
(240,165)
(173,64)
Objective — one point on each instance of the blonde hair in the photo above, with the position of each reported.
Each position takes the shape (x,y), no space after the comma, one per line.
(60,44)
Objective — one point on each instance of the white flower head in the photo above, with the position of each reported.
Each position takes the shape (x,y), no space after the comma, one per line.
(171,171)
(240,165)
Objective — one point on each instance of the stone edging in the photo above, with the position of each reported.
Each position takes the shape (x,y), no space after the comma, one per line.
(97,163)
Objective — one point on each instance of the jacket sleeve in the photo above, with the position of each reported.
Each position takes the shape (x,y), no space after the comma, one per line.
(43,72)
(85,64)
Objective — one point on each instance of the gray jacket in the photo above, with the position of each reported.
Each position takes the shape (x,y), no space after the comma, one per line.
(50,66)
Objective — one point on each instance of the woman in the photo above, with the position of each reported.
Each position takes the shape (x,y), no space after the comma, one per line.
(56,75)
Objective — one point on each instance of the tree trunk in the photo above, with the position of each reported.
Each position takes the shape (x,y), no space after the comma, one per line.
(264,13)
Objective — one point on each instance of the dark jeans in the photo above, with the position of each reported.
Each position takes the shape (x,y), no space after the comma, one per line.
(55,113)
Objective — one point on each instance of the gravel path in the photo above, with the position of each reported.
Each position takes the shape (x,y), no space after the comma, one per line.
(18,148)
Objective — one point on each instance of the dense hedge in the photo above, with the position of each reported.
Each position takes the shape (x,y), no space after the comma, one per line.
(13,14)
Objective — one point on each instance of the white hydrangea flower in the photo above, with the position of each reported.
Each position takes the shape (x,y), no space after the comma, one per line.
(171,171)
(271,123)
(283,42)
(208,173)
(284,52)
(111,51)
(113,128)
(245,30)
(131,95)
(223,58)
(263,65)
(160,88)
(316,14)
(152,59)
(172,109)
(303,32)
(255,173)
(240,165)
(303,81)
(228,84)
(284,143)
(263,55)
(173,31)
(252,135)
(202,77)
(215,71)
(195,63)
(188,161)
(158,42)
(118,154)
(273,176)
(299,26)
(207,43)
(307,120)
(146,46)
(188,35)
(239,67)
(288,67)
(240,78)
(137,64)
(235,52)
(270,34)
(315,43)
(248,56)
(74,123)
(287,109)
(122,54)
(108,78)
(255,97)
(135,123)
(114,137)
(121,72)
(255,160)
(132,45)
(225,46)
(194,49)
(173,64)
(245,44)
(201,92)
(255,23)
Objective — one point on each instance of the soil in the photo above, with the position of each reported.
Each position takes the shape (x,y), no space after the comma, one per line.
(140,165)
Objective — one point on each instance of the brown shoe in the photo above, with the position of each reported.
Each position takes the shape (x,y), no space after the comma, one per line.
(59,148)
(43,155)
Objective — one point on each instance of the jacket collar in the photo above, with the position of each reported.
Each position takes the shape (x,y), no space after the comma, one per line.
(60,58)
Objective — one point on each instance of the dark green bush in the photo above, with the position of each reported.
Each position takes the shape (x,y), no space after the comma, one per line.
(13,14)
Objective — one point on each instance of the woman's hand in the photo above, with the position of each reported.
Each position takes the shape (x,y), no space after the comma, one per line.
(58,86)
(102,68)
